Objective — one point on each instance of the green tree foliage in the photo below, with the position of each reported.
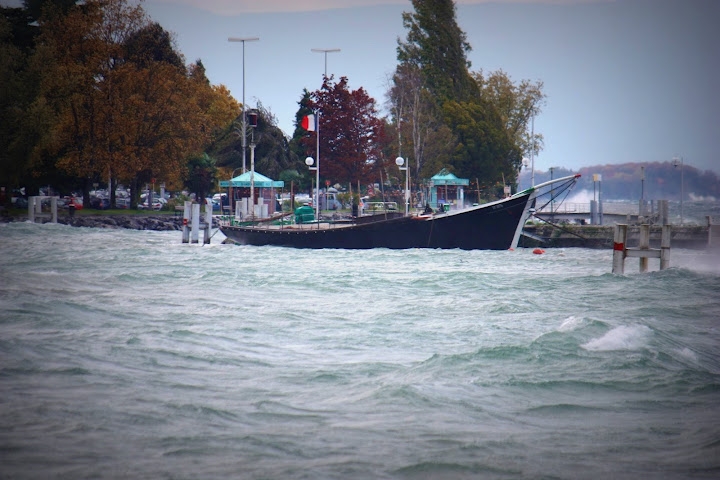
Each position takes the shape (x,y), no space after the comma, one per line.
(516,104)
(14,98)
(201,175)
(472,125)
(272,149)
(351,134)
(438,47)
(485,150)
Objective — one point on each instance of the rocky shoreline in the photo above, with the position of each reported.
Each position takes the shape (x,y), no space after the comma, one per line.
(133,222)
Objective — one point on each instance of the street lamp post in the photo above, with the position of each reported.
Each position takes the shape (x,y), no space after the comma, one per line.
(244,116)
(252,171)
(679,161)
(325,51)
(642,190)
(309,162)
(399,161)
(231,198)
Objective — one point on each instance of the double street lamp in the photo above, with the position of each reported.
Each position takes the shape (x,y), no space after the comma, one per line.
(325,51)
(244,116)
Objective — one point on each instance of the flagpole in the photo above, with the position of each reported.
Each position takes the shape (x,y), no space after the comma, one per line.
(317,171)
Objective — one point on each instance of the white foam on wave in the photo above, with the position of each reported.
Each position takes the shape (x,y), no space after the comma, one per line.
(687,354)
(569,324)
(624,337)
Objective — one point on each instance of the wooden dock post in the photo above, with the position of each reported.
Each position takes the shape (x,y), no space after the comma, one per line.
(195,221)
(713,239)
(192,223)
(618,265)
(665,247)
(207,225)
(644,245)
(643,251)
(187,212)
(35,209)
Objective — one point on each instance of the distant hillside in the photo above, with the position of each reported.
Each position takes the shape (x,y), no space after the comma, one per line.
(623,181)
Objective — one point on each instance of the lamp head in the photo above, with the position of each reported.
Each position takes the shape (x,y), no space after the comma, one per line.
(525,162)
(399,161)
(309,161)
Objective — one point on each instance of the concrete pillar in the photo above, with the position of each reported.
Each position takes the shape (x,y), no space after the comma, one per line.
(665,247)
(644,245)
(195,223)
(187,212)
(619,249)
(53,209)
(208,223)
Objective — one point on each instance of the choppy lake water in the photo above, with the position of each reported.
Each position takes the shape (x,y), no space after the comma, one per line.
(126,354)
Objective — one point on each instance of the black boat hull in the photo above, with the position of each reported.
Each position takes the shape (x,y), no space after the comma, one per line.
(493,226)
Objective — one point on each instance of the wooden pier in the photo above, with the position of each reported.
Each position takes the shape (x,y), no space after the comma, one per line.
(643,251)
(35,210)
(193,223)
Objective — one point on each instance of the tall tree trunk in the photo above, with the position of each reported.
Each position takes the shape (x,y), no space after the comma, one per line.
(134,193)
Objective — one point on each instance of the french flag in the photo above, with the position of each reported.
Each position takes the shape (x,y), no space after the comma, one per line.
(308,123)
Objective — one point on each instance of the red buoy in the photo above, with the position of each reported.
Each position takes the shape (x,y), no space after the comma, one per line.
(538,251)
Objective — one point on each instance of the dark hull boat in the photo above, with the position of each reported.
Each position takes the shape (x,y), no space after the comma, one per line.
(491,226)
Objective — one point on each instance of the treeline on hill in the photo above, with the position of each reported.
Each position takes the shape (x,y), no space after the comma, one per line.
(625,181)
(95,92)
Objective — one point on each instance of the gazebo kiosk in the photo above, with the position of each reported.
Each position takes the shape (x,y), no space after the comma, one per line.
(264,193)
(447,189)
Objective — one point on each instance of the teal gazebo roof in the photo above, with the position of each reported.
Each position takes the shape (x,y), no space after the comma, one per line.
(446,178)
(260,181)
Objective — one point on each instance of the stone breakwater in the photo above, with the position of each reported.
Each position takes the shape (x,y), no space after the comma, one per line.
(133,222)
(602,237)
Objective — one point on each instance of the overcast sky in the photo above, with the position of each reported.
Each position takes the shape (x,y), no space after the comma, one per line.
(626,80)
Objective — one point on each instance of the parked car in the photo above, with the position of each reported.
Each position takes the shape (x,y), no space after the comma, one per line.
(99,203)
(19,202)
(156,205)
(76,202)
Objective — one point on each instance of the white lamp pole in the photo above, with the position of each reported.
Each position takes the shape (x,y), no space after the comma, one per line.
(231,200)
(399,161)
(309,162)
(244,117)
(679,161)
(252,176)
(325,51)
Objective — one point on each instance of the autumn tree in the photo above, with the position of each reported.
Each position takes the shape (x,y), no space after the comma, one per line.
(351,134)
(125,106)
(73,57)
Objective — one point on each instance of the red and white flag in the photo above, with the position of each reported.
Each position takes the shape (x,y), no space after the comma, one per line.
(308,123)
